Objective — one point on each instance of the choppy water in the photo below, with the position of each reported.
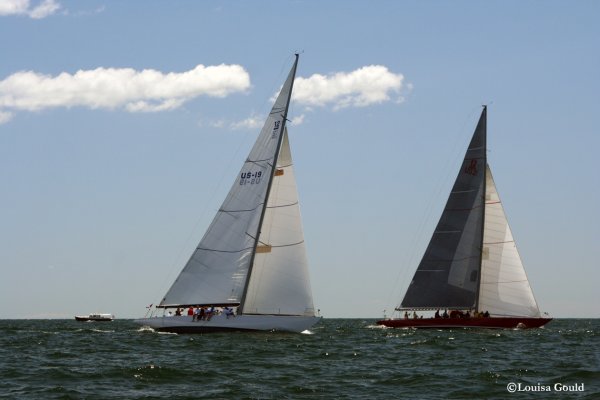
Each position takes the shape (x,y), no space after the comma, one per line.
(342,358)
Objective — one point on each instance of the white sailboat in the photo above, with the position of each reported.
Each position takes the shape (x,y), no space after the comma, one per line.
(252,258)
(471,266)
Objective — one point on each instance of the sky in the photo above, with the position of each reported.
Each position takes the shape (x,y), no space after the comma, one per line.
(123,125)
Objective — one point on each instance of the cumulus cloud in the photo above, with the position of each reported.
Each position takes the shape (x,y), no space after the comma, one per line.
(112,88)
(362,87)
(23,7)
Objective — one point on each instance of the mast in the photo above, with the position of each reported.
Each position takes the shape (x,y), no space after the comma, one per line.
(484,116)
(273,170)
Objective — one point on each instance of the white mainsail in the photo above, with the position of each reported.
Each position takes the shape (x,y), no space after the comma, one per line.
(229,266)
(505,289)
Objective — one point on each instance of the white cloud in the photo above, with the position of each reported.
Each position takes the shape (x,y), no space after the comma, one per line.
(23,7)
(217,124)
(13,7)
(5,116)
(252,122)
(298,120)
(362,87)
(111,88)
(44,9)
(248,123)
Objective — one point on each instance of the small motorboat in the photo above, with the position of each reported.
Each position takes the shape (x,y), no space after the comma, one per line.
(95,317)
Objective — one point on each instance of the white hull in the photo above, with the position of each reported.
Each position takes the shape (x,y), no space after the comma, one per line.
(184,324)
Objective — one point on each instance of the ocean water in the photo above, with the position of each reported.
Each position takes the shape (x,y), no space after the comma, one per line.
(338,359)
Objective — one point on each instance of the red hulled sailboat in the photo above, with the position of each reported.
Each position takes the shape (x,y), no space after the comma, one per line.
(471,267)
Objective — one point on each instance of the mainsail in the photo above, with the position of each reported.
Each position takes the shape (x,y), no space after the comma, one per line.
(448,275)
(241,258)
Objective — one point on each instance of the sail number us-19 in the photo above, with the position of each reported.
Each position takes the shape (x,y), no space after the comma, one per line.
(250,178)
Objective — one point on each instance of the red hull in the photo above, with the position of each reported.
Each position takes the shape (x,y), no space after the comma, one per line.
(445,323)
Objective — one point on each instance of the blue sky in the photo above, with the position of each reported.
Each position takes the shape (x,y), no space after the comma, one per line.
(111,175)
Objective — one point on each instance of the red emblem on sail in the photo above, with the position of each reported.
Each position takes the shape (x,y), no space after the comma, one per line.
(471,169)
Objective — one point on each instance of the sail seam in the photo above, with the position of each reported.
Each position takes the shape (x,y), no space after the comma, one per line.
(224,251)
(284,205)
(462,209)
(236,211)
(277,110)
(282,245)
(508,241)
(450,260)
(464,191)
(258,161)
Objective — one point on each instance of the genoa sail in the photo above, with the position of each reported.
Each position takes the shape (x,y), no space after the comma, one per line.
(505,289)
(449,272)
(253,252)
(280,282)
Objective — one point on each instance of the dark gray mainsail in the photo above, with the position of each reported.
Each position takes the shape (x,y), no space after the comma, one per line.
(449,273)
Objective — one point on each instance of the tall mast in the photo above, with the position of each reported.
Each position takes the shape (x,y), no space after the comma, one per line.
(484,116)
(264,207)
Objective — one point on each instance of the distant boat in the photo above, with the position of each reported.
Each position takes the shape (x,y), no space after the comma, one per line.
(252,259)
(95,317)
(471,263)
